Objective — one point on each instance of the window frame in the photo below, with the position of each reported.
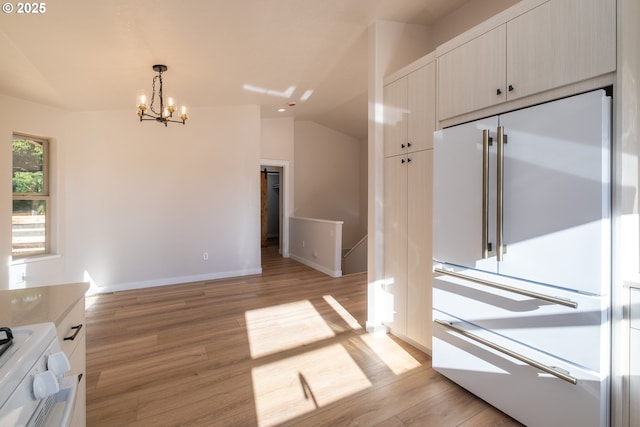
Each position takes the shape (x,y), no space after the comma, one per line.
(45,195)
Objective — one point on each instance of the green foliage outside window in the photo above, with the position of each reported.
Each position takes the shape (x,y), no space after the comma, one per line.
(28,161)
(30,219)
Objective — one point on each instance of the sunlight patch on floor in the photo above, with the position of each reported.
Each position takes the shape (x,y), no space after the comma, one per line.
(346,316)
(294,386)
(391,353)
(283,327)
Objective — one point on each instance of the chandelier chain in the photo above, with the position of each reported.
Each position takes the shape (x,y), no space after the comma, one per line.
(153,94)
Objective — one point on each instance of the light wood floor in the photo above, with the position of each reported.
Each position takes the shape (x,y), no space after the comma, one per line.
(287,347)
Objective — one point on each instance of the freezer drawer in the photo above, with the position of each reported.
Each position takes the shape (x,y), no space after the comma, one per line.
(577,334)
(527,393)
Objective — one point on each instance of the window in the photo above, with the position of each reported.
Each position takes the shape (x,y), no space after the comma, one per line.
(31,200)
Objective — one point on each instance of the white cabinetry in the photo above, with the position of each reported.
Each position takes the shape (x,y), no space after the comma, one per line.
(72,336)
(407,243)
(472,76)
(534,47)
(408,101)
(407,200)
(634,359)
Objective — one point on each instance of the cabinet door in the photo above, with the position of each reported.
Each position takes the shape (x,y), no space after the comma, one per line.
(473,76)
(419,237)
(634,377)
(395,241)
(458,196)
(557,193)
(395,117)
(530,47)
(421,106)
(558,43)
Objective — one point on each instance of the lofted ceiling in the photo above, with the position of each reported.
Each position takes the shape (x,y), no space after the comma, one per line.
(95,55)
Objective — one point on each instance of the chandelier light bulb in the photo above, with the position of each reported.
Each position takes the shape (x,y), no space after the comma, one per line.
(141,100)
(171,104)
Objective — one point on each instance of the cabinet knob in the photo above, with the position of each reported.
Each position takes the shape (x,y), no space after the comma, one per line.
(408,159)
(498,91)
(401,145)
(408,144)
(402,161)
(510,88)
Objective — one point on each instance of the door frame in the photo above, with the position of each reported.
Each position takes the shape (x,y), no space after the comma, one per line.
(287,200)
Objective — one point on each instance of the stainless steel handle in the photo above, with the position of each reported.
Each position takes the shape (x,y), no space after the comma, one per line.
(500,247)
(536,295)
(486,142)
(548,369)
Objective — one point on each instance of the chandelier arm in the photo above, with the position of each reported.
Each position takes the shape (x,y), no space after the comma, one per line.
(160,119)
(176,121)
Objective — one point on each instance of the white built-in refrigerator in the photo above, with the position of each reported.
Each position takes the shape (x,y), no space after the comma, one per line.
(522,260)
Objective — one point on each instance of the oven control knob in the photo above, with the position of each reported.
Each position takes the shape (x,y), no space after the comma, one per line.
(58,363)
(45,384)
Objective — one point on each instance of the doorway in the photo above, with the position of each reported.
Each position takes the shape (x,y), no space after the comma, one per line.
(270,207)
(275,205)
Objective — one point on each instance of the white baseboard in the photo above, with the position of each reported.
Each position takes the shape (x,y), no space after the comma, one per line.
(325,270)
(171,281)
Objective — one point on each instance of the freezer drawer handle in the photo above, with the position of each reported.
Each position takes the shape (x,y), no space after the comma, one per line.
(548,369)
(536,295)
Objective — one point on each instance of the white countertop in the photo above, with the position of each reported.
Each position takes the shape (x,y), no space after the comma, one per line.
(37,305)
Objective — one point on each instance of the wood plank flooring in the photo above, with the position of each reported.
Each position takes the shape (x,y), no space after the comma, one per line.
(284,348)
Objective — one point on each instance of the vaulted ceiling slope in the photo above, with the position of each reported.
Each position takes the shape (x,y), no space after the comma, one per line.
(95,55)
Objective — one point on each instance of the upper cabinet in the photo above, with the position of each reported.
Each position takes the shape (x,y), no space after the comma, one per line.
(409,108)
(538,46)
(472,76)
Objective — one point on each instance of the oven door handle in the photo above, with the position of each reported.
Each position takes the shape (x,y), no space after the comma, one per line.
(63,403)
(548,369)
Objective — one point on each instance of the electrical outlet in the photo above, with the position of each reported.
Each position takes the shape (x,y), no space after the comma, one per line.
(205,256)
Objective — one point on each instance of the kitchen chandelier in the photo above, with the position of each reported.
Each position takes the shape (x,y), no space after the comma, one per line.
(167,108)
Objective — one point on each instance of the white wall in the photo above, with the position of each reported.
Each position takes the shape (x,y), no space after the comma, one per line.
(465,17)
(36,120)
(276,149)
(317,243)
(139,203)
(276,138)
(327,177)
(364,180)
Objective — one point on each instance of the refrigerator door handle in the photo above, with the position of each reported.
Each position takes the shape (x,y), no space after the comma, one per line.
(501,248)
(486,143)
(548,369)
(536,295)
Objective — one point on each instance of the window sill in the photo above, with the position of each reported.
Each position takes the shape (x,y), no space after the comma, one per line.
(29,260)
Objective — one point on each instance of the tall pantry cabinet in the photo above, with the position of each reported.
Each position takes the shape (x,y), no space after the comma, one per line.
(409,123)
